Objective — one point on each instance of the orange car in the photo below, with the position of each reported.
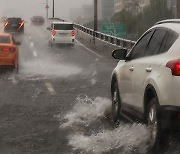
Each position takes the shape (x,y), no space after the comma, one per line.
(8,51)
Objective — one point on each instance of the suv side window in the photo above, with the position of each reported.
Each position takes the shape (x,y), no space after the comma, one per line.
(170,39)
(156,42)
(139,50)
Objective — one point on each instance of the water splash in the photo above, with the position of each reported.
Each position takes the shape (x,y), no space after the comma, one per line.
(93,81)
(87,110)
(49,69)
(124,139)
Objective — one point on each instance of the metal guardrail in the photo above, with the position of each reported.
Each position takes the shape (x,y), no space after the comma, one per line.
(107,38)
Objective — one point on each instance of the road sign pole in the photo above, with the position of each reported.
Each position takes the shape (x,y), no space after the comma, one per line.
(95,19)
(47,8)
(178,8)
(95,15)
(53,8)
(47,14)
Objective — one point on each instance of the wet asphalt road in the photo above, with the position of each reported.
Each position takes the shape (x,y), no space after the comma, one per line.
(59,101)
(34,102)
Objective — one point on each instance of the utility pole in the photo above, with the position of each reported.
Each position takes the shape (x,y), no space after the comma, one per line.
(178,8)
(95,15)
(53,9)
(47,7)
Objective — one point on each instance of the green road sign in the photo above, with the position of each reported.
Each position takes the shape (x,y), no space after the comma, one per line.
(118,30)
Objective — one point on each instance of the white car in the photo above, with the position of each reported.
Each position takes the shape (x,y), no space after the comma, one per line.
(146,82)
(61,33)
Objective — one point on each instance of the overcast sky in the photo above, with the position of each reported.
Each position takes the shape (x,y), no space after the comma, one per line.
(28,8)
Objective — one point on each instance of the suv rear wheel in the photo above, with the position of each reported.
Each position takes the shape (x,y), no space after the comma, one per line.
(116,103)
(153,123)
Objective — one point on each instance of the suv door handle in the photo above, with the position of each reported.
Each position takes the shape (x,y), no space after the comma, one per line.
(131,68)
(148,69)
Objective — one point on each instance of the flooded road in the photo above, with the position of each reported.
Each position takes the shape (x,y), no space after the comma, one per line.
(60,102)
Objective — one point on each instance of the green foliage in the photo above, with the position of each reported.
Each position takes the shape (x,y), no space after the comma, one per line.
(156,11)
(139,23)
(91,25)
(125,17)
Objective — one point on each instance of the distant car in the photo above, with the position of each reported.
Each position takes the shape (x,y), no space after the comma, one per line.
(55,19)
(61,33)
(145,83)
(14,25)
(50,20)
(37,20)
(8,50)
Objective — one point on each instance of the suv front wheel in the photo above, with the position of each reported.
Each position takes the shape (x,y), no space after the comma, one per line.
(116,103)
(153,124)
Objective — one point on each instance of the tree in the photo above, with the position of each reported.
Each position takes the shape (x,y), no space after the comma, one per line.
(127,18)
(156,11)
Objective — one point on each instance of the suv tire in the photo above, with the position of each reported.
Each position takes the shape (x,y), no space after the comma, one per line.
(116,103)
(153,124)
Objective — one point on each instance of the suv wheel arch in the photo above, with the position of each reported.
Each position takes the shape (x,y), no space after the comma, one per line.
(113,81)
(149,94)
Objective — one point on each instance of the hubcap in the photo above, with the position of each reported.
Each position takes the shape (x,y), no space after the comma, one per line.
(152,124)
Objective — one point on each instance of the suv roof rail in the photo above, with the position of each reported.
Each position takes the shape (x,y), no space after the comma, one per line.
(168,21)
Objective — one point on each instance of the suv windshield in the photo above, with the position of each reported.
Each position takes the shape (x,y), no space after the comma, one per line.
(63,26)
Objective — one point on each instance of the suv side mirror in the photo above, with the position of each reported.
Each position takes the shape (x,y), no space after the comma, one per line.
(119,54)
(18,43)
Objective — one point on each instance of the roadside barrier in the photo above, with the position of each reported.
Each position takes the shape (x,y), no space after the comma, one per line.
(119,42)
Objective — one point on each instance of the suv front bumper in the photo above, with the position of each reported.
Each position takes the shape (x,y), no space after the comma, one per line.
(63,40)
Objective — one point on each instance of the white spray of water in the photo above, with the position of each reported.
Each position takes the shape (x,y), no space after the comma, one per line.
(27,77)
(49,68)
(13,79)
(86,111)
(42,62)
(93,81)
(127,138)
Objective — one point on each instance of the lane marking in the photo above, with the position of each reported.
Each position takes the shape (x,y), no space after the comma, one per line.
(90,50)
(32,44)
(50,88)
(34,53)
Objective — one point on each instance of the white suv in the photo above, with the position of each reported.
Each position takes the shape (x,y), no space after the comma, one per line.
(61,33)
(146,82)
